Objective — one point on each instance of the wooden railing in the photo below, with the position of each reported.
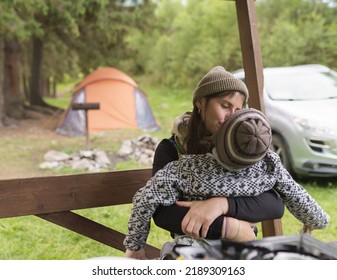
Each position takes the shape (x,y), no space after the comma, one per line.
(54,198)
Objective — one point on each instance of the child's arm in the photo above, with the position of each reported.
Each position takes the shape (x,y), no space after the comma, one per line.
(299,202)
(159,190)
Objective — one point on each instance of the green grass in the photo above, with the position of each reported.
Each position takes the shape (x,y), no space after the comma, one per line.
(61,102)
(33,238)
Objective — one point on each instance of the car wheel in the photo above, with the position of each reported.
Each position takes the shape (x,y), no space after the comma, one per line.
(279,147)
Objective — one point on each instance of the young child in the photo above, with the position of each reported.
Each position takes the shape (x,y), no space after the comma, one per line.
(241,164)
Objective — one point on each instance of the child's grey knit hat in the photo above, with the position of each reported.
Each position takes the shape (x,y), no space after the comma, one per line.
(243,139)
(219,80)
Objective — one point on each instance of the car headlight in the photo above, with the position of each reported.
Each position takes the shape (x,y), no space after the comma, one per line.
(315,128)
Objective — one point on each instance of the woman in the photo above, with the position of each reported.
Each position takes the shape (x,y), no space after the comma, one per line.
(217,96)
(241,163)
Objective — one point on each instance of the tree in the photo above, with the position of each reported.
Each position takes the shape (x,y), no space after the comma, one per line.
(187,40)
(11,85)
(304,32)
(56,18)
(2,105)
(12,32)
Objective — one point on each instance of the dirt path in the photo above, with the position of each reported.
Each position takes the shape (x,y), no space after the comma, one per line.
(20,146)
(43,126)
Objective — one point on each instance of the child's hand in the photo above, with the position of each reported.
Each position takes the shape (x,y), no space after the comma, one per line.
(306,229)
(140,254)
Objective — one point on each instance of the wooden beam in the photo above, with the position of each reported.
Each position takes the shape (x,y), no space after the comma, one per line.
(52,198)
(42,195)
(253,67)
(251,53)
(272,228)
(93,230)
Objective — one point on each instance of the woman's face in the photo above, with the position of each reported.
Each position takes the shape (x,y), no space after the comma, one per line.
(219,109)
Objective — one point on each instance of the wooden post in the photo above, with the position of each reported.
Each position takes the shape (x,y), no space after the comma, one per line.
(251,52)
(253,67)
(86,107)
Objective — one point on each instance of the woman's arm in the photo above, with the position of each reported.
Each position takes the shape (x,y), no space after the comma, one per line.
(220,227)
(198,221)
(171,217)
(253,209)
(165,153)
(266,206)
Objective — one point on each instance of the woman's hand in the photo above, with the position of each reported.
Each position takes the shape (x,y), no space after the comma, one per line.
(202,214)
(140,254)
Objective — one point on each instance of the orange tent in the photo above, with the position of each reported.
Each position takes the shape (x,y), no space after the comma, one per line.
(122,104)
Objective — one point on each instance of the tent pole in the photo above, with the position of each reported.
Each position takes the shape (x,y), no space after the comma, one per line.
(87,140)
(86,107)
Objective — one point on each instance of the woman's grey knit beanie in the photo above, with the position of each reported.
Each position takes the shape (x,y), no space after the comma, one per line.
(219,80)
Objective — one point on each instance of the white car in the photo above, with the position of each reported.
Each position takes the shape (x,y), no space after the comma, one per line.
(301,105)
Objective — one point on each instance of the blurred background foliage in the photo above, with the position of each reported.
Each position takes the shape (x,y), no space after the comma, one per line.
(162,42)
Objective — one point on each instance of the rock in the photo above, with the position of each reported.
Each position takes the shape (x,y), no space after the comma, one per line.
(126,149)
(50,165)
(102,158)
(87,154)
(56,156)
(83,164)
(142,149)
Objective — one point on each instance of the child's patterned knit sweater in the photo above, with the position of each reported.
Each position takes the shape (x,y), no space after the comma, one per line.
(198,177)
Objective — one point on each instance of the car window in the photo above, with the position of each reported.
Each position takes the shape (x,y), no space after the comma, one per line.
(301,85)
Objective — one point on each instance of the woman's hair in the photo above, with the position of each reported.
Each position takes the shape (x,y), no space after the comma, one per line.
(197,129)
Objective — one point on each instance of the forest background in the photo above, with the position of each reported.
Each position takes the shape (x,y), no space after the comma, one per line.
(46,46)
(171,43)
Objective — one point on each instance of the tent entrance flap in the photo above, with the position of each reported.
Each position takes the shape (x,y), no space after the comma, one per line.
(72,118)
(144,116)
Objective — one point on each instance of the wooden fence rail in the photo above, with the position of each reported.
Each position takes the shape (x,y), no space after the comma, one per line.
(54,198)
